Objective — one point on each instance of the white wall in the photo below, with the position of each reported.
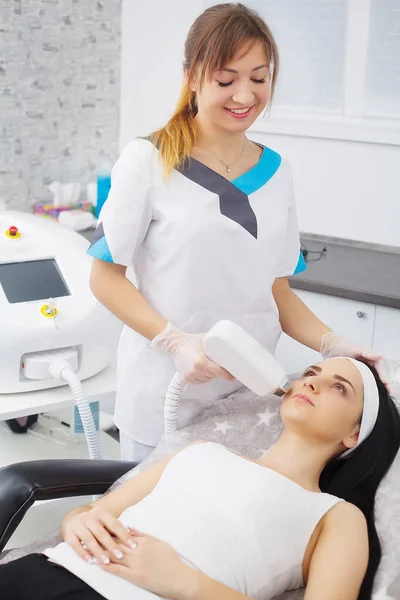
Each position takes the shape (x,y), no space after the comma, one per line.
(153,36)
(344,189)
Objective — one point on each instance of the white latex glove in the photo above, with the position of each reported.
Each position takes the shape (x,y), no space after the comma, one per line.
(334,344)
(187,351)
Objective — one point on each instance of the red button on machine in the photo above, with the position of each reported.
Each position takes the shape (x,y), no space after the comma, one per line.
(13,233)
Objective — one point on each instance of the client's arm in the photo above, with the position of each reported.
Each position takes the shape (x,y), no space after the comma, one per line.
(205,588)
(340,559)
(94,530)
(155,566)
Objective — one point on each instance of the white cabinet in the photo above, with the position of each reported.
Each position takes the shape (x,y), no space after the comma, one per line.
(354,319)
(387,332)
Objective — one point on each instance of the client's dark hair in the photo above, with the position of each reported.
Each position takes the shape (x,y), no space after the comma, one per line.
(356,478)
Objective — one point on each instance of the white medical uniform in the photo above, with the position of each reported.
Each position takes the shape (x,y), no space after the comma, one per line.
(200,249)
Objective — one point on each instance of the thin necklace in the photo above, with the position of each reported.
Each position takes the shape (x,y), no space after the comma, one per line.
(228,167)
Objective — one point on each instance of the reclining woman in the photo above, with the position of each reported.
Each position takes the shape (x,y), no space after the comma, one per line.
(215,524)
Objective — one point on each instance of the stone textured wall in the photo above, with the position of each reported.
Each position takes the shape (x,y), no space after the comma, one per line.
(59,94)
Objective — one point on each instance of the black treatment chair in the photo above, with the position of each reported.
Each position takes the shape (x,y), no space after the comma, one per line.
(22,484)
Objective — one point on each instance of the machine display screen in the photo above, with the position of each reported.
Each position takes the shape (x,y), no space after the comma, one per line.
(32,280)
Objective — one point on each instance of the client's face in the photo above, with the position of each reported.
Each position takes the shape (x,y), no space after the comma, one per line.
(326,404)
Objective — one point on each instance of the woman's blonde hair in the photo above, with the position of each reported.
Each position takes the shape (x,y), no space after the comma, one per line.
(215,37)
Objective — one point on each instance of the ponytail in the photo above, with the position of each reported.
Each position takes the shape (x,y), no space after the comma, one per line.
(176,139)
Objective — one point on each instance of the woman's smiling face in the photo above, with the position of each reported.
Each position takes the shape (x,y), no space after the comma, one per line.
(233,97)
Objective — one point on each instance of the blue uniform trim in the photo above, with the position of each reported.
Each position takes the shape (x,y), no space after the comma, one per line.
(100,249)
(260,174)
(301,265)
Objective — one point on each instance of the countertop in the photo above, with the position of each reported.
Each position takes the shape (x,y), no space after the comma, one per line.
(352,270)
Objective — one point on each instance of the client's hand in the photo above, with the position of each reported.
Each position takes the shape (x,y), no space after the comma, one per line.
(95,535)
(153,565)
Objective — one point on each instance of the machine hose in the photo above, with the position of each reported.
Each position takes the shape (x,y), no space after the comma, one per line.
(171,405)
(61,370)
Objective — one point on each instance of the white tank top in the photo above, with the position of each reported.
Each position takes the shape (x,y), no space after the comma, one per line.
(240,523)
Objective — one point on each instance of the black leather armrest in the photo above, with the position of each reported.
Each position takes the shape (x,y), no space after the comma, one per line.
(21,484)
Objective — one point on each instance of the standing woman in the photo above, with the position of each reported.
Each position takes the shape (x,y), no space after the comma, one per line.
(204,221)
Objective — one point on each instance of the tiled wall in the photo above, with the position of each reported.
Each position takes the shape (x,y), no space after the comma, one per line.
(59,94)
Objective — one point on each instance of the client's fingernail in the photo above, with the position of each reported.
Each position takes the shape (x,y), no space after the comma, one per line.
(132,543)
(117,553)
(104,559)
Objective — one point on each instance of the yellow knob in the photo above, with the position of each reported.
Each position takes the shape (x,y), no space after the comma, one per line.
(48,311)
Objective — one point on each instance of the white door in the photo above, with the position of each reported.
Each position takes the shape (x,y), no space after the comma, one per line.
(355,320)
(387,332)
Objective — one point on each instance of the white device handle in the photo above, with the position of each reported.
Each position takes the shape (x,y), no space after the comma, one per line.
(232,348)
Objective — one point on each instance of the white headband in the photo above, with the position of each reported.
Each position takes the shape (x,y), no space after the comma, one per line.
(371,403)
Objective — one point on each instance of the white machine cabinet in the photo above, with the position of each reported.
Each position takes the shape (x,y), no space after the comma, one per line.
(46,304)
(354,319)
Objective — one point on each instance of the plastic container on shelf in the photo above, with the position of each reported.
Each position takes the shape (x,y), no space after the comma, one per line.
(103,179)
